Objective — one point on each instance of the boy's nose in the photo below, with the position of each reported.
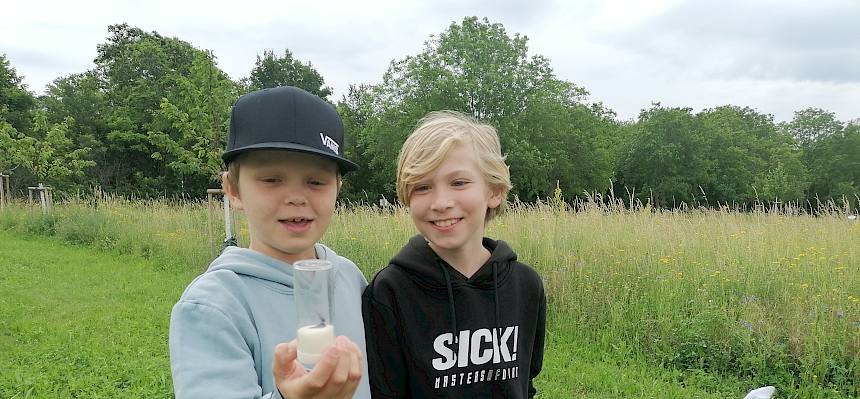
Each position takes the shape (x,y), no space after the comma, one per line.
(296,199)
(441,201)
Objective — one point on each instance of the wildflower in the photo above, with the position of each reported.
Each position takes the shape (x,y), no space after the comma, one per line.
(746,324)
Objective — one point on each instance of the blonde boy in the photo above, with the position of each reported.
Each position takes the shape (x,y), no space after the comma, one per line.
(229,330)
(454,314)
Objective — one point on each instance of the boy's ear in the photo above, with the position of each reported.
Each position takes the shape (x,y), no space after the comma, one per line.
(231,190)
(495,197)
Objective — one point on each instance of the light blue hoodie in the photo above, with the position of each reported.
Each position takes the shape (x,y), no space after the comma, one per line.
(224,329)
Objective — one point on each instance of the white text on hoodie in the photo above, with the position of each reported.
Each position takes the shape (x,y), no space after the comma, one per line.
(478,347)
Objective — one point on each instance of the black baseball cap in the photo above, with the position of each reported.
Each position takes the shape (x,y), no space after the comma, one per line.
(286,118)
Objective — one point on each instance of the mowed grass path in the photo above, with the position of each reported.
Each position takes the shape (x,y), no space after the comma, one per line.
(81,323)
(77,323)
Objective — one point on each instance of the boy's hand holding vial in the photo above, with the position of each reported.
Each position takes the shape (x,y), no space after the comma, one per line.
(335,364)
(336,374)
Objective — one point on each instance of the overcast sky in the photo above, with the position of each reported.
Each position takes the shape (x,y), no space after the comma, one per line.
(777,56)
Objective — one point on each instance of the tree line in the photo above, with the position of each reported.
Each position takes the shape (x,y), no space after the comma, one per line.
(150,120)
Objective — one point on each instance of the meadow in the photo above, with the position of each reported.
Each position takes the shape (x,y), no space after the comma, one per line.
(642,302)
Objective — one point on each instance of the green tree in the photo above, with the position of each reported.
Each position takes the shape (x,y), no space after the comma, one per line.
(475,67)
(81,98)
(749,158)
(835,165)
(165,101)
(725,155)
(8,134)
(16,101)
(667,162)
(831,152)
(272,71)
(813,124)
(189,129)
(356,108)
(49,154)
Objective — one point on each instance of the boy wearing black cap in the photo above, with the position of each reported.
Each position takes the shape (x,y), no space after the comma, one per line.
(228,332)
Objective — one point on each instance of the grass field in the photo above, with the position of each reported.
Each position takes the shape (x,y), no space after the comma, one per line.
(703,304)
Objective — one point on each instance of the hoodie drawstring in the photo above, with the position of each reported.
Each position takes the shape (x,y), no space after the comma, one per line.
(496,291)
(452,311)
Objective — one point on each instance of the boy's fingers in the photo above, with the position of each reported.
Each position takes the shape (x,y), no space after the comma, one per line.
(347,389)
(284,362)
(355,370)
(341,372)
(323,370)
(357,365)
(357,351)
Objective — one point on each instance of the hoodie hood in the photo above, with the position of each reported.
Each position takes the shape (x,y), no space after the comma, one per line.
(425,267)
(247,262)
(432,273)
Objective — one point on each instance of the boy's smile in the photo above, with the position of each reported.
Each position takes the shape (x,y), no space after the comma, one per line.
(288,198)
(296,225)
(445,224)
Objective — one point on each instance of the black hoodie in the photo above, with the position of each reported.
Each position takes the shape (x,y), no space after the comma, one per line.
(433,333)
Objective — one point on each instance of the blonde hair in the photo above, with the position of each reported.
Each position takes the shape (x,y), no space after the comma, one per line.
(429,144)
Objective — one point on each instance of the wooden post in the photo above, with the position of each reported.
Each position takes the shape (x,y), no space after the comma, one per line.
(210,194)
(43,198)
(49,198)
(229,222)
(3,189)
(230,238)
(46,199)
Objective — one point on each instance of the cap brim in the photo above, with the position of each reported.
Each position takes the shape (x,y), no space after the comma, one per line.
(344,164)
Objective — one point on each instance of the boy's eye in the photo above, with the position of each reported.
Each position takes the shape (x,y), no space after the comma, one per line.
(458,183)
(270,179)
(421,188)
(316,182)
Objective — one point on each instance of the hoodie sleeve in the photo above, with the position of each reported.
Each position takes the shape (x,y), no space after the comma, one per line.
(386,365)
(537,350)
(209,357)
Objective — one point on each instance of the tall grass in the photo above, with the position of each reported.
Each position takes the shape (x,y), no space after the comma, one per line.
(768,297)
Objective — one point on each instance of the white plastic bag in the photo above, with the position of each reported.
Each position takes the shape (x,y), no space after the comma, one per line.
(761,393)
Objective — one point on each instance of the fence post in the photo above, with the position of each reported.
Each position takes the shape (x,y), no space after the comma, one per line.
(210,194)
(231,240)
(3,189)
(46,199)
(49,199)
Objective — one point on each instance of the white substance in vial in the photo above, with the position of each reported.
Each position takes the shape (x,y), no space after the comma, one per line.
(313,341)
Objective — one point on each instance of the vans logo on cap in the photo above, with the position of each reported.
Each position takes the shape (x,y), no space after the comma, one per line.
(329,142)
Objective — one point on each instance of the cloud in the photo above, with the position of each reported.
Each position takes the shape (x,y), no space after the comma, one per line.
(777,56)
(740,39)
(509,12)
